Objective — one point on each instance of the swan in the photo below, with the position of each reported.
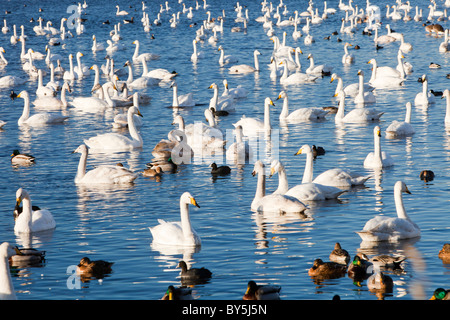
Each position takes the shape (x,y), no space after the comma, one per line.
(401,128)
(277,203)
(244,68)
(147,55)
(102,174)
(3,61)
(347,58)
(226,59)
(309,190)
(81,70)
(386,71)
(226,103)
(377,158)
(340,178)
(253,126)
(120,12)
(363,97)
(204,136)
(26,54)
(6,285)
(121,119)
(239,151)
(301,114)
(142,82)
(5,28)
(185,100)
(38,118)
(296,77)
(95,104)
(179,233)
(196,54)
(237,93)
(296,34)
(70,75)
(32,221)
(322,69)
(11,81)
(383,39)
(418,15)
(116,142)
(52,103)
(395,35)
(96,46)
(14,38)
(55,85)
(43,91)
(384,228)
(351,89)
(380,81)
(405,46)
(112,47)
(446,95)
(357,115)
(444,46)
(424,98)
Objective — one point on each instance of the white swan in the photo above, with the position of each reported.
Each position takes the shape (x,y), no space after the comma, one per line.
(96,46)
(363,97)
(226,59)
(424,98)
(120,12)
(309,190)
(11,81)
(276,203)
(51,57)
(239,151)
(378,159)
(70,75)
(200,135)
(401,128)
(53,103)
(43,118)
(357,115)
(32,221)
(43,91)
(147,55)
(185,100)
(380,81)
(244,68)
(386,71)
(102,174)
(446,95)
(179,233)
(351,89)
(7,291)
(384,228)
(405,46)
(112,142)
(340,178)
(196,55)
(142,82)
(225,103)
(95,104)
(395,35)
(121,119)
(301,114)
(347,58)
(444,46)
(55,85)
(296,77)
(80,69)
(384,39)
(252,126)
(322,69)
(237,93)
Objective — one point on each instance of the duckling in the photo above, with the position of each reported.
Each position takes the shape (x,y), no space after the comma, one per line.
(441,294)
(96,269)
(426,175)
(339,255)
(193,276)
(27,257)
(261,292)
(357,270)
(152,172)
(18,158)
(380,282)
(221,171)
(444,253)
(387,261)
(181,293)
(327,270)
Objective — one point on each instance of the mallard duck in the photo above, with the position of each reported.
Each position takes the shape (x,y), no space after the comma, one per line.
(434,65)
(380,282)
(166,165)
(339,255)
(426,175)
(181,293)
(444,253)
(357,270)
(26,257)
(193,276)
(261,292)
(220,171)
(96,269)
(18,158)
(327,270)
(152,172)
(441,294)
(387,261)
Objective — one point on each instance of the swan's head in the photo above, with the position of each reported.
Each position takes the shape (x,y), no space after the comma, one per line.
(23,95)
(177,120)
(377,131)
(360,73)
(220,48)
(225,83)
(281,95)
(305,149)
(334,76)
(269,102)
(7,250)
(401,186)
(174,84)
(257,53)
(20,195)
(81,149)
(136,42)
(212,86)
(423,78)
(310,56)
(188,198)
(67,87)
(298,50)
(274,167)
(135,110)
(258,168)
(79,54)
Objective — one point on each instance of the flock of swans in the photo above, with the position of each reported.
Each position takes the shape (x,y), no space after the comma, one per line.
(49,109)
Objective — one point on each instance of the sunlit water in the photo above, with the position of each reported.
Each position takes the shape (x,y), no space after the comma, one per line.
(237,244)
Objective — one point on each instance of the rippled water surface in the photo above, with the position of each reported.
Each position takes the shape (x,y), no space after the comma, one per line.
(238,245)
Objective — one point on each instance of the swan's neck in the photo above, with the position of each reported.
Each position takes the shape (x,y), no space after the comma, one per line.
(40,80)
(361,86)
(239,136)
(256,62)
(6,286)
(408,114)
(130,74)
(23,53)
(283,185)
(308,173)
(398,199)
(106,96)
(175,102)
(185,220)
(341,110)
(260,187)
(297,60)
(25,220)
(81,172)
(26,110)
(311,63)
(377,150)
(340,85)
(374,71)
(402,69)
(285,110)
(144,67)
(132,128)
(136,51)
(71,66)
(267,125)
(96,77)
(52,73)
(222,55)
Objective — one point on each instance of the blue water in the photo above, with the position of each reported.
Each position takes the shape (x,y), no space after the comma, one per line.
(238,245)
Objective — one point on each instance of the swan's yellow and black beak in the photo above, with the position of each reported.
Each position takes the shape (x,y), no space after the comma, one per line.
(298,152)
(139,113)
(18,201)
(271,103)
(379,133)
(407,190)
(211,86)
(194,203)
(18,96)
(272,171)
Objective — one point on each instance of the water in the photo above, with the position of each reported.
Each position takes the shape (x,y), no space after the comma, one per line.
(238,245)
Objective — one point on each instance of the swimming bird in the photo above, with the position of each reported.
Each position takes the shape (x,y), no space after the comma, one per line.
(379,281)
(37,119)
(18,158)
(7,291)
(219,170)
(181,293)
(441,294)
(193,276)
(357,115)
(244,68)
(377,158)
(301,114)
(94,268)
(426,175)
(401,128)
(327,270)
(261,292)
(339,255)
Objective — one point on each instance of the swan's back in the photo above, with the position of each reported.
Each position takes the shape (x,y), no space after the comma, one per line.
(41,220)
(340,178)
(171,233)
(112,141)
(108,174)
(314,192)
(382,228)
(279,203)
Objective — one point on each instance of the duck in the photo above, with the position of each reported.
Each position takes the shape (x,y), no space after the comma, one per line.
(327,270)
(444,253)
(179,233)
(152,172)
(37,119)
(357,115)
(378,159)
(244,68)
(180,293)
(440,294)
(261,292)
(426,175)
(18,158)
(339,255)
(275,203)
(93,268)
(7,291)
(30,221)
(358,269)
(166,166)
(301,114)
(387,261)
(219,170)
(115,142)
(27,257)
(193,275)
(101,174)
(321,70)
(391,229)
(380,282)
(401,128)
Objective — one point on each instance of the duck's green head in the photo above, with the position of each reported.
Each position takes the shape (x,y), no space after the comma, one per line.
(439,294)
